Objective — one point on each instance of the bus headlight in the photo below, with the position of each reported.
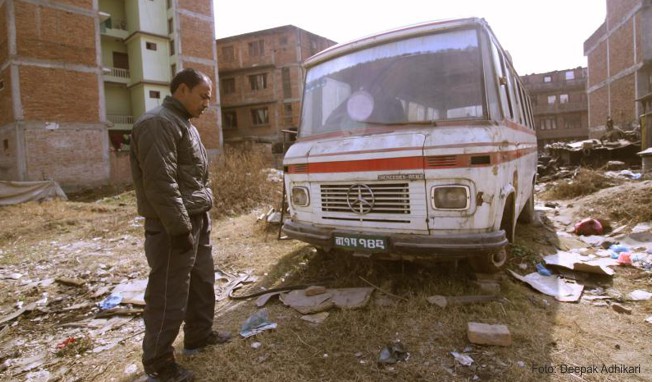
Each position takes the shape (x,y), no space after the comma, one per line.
(300,197)
(450,197)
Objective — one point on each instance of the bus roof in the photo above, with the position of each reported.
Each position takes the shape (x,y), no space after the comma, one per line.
(391,35)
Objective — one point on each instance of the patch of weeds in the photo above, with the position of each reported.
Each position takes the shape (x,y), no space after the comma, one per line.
(584,182)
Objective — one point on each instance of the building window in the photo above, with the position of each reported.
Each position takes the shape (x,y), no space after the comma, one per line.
(547,79)
(153,94)
(229,119)
(258,81)
(228,53)
(569,75)
(151,45)
(548,123)
(170,26)
(256,48)
(174,70)
(572,123)
(286,83)
(260,116)
(551,99)
(289,114)
(171,47)
(228,85)
(564,98)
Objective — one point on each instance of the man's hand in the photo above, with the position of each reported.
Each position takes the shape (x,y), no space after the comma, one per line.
(182,242)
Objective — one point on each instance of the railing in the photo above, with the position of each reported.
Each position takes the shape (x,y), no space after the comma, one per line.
(120,73)
(120,119)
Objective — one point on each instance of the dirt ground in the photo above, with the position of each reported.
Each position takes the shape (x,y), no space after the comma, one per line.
(58,260)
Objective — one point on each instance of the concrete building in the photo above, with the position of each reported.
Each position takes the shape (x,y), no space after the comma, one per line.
(262,81)
(619,66)
(75,74)
(560,104)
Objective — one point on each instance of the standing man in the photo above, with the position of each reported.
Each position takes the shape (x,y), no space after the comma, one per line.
(170,173)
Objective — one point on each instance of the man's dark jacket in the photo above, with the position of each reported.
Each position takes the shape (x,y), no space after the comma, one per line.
(169,167)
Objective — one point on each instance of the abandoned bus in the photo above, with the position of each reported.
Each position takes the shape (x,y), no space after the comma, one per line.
(413,143)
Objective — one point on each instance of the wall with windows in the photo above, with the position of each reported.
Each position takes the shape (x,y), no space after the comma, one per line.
(260,81)
(619,58)
(559,102)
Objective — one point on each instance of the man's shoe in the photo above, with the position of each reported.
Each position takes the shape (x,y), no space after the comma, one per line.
(215,338)
(171,372)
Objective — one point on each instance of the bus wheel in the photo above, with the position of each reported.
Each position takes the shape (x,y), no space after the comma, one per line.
(489,263)
(527,214)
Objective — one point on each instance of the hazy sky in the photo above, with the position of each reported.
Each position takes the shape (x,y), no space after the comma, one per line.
(541,36)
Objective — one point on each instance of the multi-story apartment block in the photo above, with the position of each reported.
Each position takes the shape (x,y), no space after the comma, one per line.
(560,104)
(619,66)
(75,74)
(261,81)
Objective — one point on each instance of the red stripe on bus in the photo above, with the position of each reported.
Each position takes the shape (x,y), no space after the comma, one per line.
(410,163)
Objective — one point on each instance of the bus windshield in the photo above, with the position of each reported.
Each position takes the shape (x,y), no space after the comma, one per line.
(418,80)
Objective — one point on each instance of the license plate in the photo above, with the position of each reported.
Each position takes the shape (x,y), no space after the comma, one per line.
(361,242)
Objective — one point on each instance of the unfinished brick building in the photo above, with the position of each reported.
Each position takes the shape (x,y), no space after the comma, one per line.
(560,104)
(262,80)
(74,74)
(619,66)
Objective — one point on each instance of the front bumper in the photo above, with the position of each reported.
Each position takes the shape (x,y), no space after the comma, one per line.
(444,246)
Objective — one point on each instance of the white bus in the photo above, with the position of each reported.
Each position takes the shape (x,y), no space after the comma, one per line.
(413,143)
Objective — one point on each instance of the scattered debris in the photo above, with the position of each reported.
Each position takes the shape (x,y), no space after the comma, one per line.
(578,262)
(344,298)
(619,308)
(393,353)
(589,226)
(257,323)
(560,289)
(462,359)
(639,295)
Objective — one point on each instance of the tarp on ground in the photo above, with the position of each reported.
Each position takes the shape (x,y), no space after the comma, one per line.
(14,192)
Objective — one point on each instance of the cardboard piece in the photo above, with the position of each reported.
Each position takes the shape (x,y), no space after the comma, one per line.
(344,298)
(560,289)
(577,262)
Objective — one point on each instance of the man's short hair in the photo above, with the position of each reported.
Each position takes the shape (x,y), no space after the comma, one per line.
(190,77)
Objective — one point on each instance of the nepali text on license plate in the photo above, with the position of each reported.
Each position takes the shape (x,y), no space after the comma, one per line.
(361,242)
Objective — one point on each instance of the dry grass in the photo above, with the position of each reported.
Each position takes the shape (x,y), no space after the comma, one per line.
(627,204)
(585,182)
(239,181)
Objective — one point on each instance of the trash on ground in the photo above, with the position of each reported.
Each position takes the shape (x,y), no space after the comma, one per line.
(132,292)
(393,353)
(462,359)
(542,271)
(257,323)
(344,298)
(110,301)
(560,289)
(619,308)
(588,226)
(578,262)
(639,295)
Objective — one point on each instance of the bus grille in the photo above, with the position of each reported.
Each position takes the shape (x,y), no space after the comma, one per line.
(388,198)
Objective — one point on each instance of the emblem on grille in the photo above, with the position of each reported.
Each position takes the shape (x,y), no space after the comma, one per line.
(360,199)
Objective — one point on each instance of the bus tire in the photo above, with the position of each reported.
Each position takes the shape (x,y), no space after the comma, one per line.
(490,263)
(527,215)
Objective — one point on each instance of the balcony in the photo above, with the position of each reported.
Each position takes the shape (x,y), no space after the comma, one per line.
(117,75)
(120,122)
(117,29)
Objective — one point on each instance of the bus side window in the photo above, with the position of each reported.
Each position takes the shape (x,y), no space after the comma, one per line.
(494,108)
(502,81)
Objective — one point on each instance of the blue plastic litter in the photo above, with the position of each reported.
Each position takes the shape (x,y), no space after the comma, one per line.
(111,301)
(542,270)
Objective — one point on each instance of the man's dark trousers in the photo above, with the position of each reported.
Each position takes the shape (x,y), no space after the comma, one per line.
(180,289)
